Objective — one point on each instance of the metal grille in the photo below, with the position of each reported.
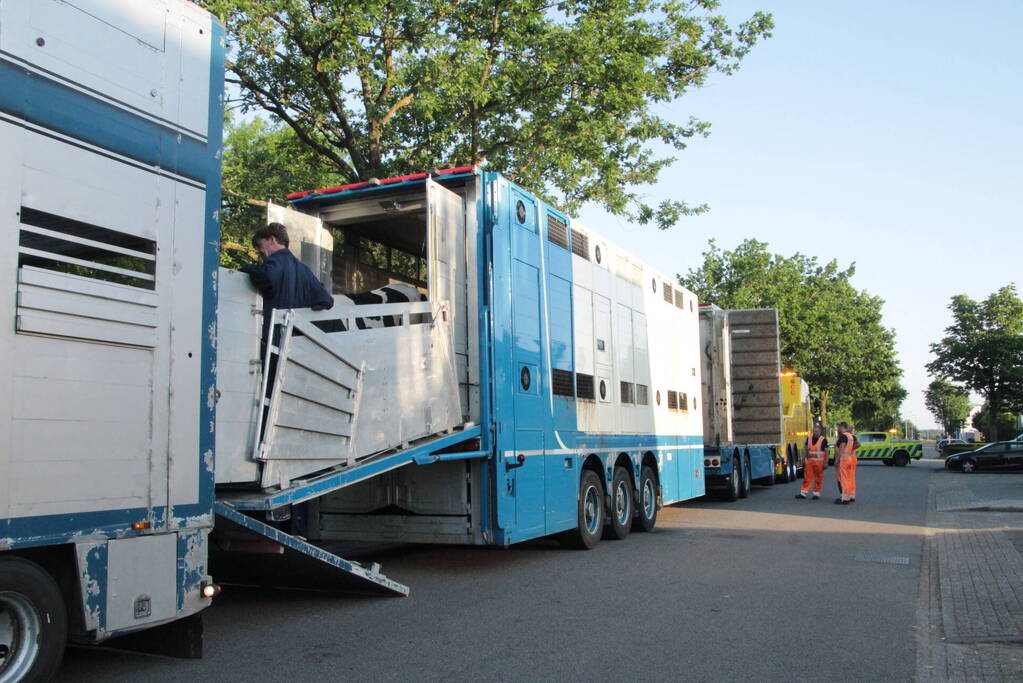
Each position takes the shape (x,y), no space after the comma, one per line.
(580,244)
(561,383)
(557,231)
(584,386)
(666,290)
(642,395)
(683,401)
(679,299)
(65,245)
(626,391)
(672,400)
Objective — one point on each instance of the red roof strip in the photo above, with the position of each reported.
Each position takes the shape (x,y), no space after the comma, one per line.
(385,181)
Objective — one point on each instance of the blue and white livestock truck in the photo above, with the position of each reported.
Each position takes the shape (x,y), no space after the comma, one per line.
(547,383)
(110,131)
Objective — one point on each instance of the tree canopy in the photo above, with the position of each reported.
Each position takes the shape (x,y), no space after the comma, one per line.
(562,97)
(983,350)
(262,161)
(831,334)
(949,404)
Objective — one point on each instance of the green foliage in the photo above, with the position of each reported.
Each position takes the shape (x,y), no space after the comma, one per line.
(949,404)
(561,98)
(983,350)
(830,332)
(995,426)
(262,162)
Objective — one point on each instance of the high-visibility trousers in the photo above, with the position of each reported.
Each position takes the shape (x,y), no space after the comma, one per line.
(813,476)
(847,476)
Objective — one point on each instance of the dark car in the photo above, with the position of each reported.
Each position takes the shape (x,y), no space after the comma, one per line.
(1001,455)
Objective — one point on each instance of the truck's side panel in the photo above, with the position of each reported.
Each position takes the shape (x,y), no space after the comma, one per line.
(109,193)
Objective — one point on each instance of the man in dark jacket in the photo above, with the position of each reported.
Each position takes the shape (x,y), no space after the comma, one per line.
(283,280)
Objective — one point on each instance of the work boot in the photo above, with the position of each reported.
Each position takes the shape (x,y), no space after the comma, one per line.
(839,501)
(800,496)
(816,497)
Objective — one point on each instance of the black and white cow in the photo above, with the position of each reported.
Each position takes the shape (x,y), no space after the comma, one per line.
(396,293)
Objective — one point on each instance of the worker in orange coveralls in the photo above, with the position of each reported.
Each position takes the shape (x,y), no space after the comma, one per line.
(845,460)
(816,461)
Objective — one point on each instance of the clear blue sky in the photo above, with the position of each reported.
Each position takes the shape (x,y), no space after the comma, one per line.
(889,134)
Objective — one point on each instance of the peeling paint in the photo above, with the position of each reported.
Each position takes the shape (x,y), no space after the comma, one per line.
(211,332)
(207,459)
(6,543)
(211,397)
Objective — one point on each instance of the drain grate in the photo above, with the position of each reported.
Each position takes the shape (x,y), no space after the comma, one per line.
(881,559)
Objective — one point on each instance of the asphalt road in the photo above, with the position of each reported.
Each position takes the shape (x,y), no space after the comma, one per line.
(768,588)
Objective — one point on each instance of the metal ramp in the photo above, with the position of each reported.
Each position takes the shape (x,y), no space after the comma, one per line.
(421,452)
(246,551)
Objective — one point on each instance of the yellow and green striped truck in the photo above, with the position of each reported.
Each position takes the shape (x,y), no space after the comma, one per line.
(886,447)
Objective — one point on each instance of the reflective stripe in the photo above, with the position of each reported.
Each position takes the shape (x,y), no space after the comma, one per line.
(816,459)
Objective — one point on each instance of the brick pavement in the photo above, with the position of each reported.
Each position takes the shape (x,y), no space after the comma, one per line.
(971,597)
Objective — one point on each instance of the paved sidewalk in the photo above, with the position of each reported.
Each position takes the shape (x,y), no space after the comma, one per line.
(971,596)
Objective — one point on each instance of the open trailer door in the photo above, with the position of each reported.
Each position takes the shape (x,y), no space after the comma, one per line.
(310,242)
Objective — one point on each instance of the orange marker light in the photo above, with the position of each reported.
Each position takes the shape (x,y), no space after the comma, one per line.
(139,526)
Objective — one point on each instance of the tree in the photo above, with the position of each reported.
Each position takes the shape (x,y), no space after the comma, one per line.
(949,404)
(560,97)
(983,350)
(1004,423)
(830,332)
(262,161)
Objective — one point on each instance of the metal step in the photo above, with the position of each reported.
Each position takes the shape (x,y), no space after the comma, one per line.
(248,552)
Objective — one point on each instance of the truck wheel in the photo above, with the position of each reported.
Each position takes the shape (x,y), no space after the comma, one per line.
(784,476)
(734,481)
(33,622)
(621,505)
(969,466)
(900,459)
(646,515)
(745,484)
(589,511)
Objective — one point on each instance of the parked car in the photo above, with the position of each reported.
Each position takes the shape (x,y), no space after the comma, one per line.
(1001,455)
(945,442)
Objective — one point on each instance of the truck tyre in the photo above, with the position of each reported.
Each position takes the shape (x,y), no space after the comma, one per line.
(621,505)
(900,459)
(734,481)
(745,484)
(33,622)
(887,462)
(969,467)
(589,512)
(646,513)
(784,476)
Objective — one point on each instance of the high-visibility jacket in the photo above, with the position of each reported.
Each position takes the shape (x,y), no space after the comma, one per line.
(816,450)
(848,448)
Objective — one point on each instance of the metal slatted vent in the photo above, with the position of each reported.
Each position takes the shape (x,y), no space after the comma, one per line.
(584,387)
(626,389)
(881,559)
(672,400)
(561,383)
(557,231)
(679,299)
(580,244)
(76,248)
(666,290)
(683,401)
(642,395)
